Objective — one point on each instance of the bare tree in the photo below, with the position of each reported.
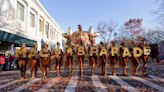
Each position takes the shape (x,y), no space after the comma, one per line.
(130,30)
(160,12)
(155,36)
(106,30)
(123,34)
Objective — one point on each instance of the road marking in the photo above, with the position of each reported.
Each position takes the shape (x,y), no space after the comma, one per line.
(25,86)
(9,72)
(28,71)
(48,85)
(71,86)
(157,67)
(98,84)
(8,77)
(6,80)
(10,83)
(124,84)
(156,78)
(160,88)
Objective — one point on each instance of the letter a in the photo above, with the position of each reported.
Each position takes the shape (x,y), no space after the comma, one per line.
(103,51)
(126,52)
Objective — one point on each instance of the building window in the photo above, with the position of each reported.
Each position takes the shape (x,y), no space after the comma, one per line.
(40,26)
(52,34)
(47,30)
(56,33)
(20,11)
(32,20)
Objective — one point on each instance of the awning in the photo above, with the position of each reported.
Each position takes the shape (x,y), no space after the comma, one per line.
(5,36)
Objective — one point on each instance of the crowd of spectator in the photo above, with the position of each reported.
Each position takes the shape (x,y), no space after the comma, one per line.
(8,62)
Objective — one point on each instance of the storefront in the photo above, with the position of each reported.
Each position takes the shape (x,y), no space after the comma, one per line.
(9,41)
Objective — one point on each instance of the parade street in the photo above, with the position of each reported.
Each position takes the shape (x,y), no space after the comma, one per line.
(153,82)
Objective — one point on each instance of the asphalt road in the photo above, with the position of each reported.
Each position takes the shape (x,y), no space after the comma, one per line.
(154,82)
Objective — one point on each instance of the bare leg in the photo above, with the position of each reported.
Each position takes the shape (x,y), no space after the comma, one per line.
(93,65)
(135,64)
(144,73)
(70,66)
(81,67)
(21,69)
(105,70)
(58,70)
(113,70)
(43,71)
(113,67)
(124,63)
(33,65)
(124,71)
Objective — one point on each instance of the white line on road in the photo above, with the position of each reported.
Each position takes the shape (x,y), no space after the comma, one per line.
(160,88)
(8,77)
(25,86)
(8,84)
(48,85)
(98,84)
(6,80)
(124,84)
(156,78)
(156,67)
(71,87)
(9,72)
(15,72)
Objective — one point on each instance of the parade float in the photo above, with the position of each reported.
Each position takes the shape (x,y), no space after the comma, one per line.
(87,39)
(80,40)
(80,37)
